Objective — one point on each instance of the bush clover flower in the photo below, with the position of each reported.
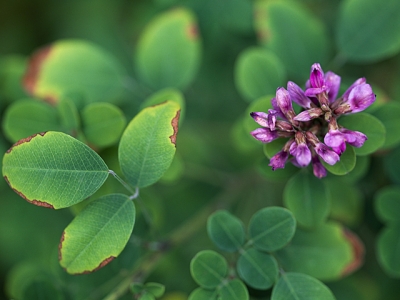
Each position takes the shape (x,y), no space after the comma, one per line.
(314,133)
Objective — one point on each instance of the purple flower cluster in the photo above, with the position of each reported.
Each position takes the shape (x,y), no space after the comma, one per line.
(317,121)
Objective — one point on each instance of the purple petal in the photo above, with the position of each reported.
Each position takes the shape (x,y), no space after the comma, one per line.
(297,95)
(265,119)
(317,79)
(278,161)
(357,82)
(334,138)
(354,138)
(360,97)
(318,169)
(283,100)
(301,153)
(329,156)
(264,135)
(333,83)
(314,91)
(276,108)
(309,114)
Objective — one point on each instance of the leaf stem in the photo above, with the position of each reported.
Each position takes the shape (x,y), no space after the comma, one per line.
(127,186)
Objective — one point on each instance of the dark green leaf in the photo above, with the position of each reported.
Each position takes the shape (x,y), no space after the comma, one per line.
(259,270)
(202,294)
(208,269)
(346,163)
(388,250)
(154,288)
(389,114)
(297,286)
(233,290)
(53,169)
(42,289)
(308,199)
(69,116)
(271,228)
(392,164)
(98,234)
(258,72)
(226,231)
(387,204)
(363,21)
(360,170)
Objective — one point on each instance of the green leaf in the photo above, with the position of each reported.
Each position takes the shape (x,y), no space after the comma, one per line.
(388,114)
(202,294)
(259,270)
(42,289)
(387,204)
(363,21)
(288,29)
(370,126)
(272,148)
(281,175)
(233,290)
(29,116)
(324,252)
(103,124)
(296,286)
(261,104)
(69,116)
(12,69)
(74,66)
(53,169)
(226,231)
(308,199)
(147,146)
(388,250)
(346,163)
(98,234)
(167,94)
(392,164)
(360,170)
(154,288)
(258,72)
(168,51)
(208,269)
(271,228)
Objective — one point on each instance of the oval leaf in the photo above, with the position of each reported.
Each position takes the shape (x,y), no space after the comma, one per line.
(26,117)
(53,169)
(226,231)
(168,51)
(346,163)
(74,66)
(271,228)
(259,270)
(325,252)
(202,294)
(103,124)
(296,286)
(387,204)
(288,29)
(233,290)
(355,30)
(388,114)
(257,73)
(84,248)
(69,116)
(392,164)
(147,145)
(388,250)
(370,126)
(208,269)
(308,199)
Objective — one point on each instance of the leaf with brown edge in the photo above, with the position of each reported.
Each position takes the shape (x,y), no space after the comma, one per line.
(97,235)
(53,169)
(358,252)
(148,144)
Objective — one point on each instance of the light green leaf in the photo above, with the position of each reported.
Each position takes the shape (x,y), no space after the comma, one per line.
(168,51)
(53,169)
(98,234)
(147,146)
(288,29)
(27,117)
(233,290)
(368,31)
(203,294)
(103,123)
(308,199)
(297,286)
(388,250)
(208,269)
(154,288)
(271,228)
(346,163)
(387,204)
(259,270)
(325,252)
(69,116)
(370,126)
(74,66)
(258,72)
(226,231)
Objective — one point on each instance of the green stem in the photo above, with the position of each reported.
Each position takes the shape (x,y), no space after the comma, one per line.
(127,186)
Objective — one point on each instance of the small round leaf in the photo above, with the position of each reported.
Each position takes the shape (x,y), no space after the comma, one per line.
(53,169)
(233,290)
(259,270)
(202,294)
(271,228)
(387,204)
(388,114)
(297,286)
(226,231)
(208,269)
(346,163)
(388,250)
